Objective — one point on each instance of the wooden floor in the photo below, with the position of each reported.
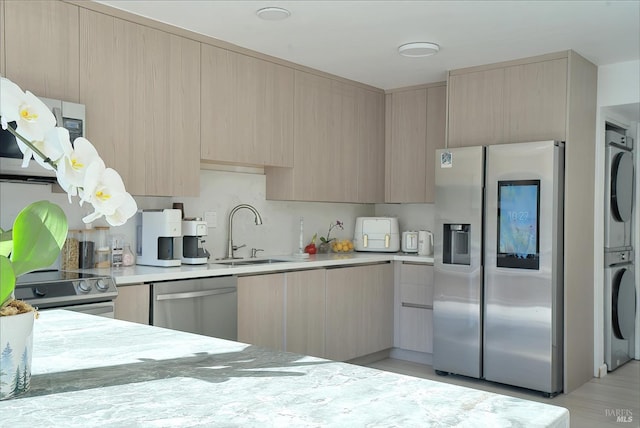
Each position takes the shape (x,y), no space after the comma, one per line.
(595,404)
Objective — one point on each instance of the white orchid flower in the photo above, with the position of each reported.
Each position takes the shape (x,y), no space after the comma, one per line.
(125,211)
(12,97)
(33,118)
(104,189)
(74,164)
(56,143)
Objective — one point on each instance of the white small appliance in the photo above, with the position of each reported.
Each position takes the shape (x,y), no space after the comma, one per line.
(619,308)
(619,179)
(410,241)
(189,248)
(425,243)
(377,234)
(156,231)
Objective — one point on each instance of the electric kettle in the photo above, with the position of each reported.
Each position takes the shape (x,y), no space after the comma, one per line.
(425,243)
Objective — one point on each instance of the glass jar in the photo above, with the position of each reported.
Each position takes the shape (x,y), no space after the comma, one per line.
(117,250)
(103,247)
(70,259)
(128,258)
(86,248)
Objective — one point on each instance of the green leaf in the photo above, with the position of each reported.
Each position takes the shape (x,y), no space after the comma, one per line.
(6,243)
(39,232)
(7,279)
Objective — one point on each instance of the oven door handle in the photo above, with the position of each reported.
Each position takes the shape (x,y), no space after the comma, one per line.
(193,294)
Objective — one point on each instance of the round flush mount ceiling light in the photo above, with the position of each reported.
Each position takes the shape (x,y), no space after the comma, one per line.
(418,49)
(273,13)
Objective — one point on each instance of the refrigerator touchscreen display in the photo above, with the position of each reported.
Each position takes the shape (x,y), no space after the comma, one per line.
(518,224)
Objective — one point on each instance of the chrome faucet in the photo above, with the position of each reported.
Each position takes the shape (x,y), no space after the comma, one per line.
(231,248)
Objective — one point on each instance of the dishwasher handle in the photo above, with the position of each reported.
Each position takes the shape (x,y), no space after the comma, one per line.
(194,294)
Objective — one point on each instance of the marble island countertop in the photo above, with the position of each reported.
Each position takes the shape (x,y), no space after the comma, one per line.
(91,371)
(138,274)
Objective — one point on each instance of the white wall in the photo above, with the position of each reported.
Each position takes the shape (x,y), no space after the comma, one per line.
(15,196)
(618,84)
(220,191)
(410,216)
(618,101)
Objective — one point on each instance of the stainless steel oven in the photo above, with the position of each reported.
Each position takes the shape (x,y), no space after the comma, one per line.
(75,291)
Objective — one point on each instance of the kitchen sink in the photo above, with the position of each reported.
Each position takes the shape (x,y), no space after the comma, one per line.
(245,262)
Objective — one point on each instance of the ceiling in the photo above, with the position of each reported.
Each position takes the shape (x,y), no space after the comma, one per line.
(358,40)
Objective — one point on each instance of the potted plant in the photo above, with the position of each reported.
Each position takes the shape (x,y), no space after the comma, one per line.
(40,229)
(325,242)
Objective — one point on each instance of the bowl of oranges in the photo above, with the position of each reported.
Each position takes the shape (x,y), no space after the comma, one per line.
(342,246)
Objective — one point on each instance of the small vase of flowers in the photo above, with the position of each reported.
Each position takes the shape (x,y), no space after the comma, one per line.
(325,242)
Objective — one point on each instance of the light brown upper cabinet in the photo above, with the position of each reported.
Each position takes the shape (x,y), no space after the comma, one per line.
(535,101)
(247,109)
(370,140)
(524,100)
(40,47)
(142,91)
(338,144)
(415,128)
(476,108)
(2,41)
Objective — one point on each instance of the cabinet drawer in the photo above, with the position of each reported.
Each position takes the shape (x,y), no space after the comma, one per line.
(416,333)
(416,284)
(416,294)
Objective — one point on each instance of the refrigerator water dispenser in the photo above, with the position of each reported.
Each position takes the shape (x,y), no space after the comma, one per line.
(456,245)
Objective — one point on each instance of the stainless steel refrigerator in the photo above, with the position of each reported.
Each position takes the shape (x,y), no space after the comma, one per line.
(498,256)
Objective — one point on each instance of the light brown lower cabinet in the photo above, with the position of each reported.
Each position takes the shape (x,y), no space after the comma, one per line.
(261,310)
(305,308)
(414,300)
(359,311)
(339,313)
(132,303)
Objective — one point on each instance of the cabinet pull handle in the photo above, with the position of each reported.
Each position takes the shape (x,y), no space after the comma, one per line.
(416,305)
(194,294)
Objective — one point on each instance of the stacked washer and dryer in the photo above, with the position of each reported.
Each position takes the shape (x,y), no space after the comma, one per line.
(619,288)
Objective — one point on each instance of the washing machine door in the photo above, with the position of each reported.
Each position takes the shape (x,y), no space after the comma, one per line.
(622,186)
(623,304)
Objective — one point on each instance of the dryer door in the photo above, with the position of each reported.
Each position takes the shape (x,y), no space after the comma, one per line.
(622,186)
(623,305)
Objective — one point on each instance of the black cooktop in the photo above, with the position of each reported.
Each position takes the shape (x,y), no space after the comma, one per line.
(45,276)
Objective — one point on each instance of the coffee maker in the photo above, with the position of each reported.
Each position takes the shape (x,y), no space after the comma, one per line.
(189,248)
(156,231)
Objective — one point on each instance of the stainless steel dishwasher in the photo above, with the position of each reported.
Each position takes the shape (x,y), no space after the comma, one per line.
(206,306)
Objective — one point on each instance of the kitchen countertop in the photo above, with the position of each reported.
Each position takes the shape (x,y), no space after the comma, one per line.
(138,274)
(93,371)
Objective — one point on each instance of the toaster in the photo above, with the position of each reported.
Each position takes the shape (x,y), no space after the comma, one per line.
(379,234)
(410,241)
